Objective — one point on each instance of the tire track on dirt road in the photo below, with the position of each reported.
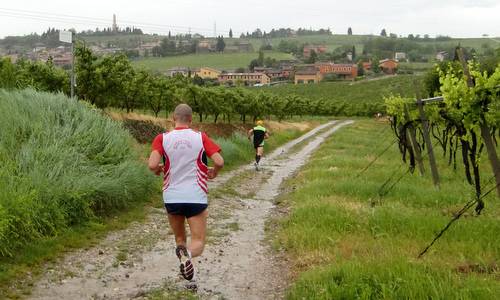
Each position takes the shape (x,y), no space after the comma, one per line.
(237,263)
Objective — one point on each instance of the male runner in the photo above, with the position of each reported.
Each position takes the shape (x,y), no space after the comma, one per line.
(185,172)
(259,133)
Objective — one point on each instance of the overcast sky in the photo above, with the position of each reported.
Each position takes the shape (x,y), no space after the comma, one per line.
(457,18)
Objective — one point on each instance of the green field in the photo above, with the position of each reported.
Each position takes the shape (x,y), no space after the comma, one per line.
(360,98)
(225,61)
(331,42)
(360,91)
(345,242)
(229,61)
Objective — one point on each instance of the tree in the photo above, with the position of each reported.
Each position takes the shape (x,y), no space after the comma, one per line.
(88,87)
(115,73)
(383,32)
(313,56)
(7,74)
(361,70)
(220,45)
(349,31)
(254,63)
(230,33)
(353,53)
(260,60)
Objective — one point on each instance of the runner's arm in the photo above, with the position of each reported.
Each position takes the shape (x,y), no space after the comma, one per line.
(249,133)
(213,151)
(155,158)
(218,164)
(154,162)
(266,135)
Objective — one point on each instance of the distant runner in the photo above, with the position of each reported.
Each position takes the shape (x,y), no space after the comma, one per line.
(259,133)
(185,173)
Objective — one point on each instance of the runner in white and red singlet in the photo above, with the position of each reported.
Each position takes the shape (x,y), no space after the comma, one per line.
(182,156)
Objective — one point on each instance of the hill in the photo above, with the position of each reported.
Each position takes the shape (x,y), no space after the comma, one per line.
(362,98)
(225,61)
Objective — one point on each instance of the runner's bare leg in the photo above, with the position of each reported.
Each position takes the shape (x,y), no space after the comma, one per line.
(198,227)
(260,151)
(179,229)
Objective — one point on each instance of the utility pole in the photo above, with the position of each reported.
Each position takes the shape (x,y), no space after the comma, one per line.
(72,68)
(67,37)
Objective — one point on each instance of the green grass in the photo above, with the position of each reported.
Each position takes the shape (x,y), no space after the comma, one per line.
(345,248)
(415,66)
(225,61)
(361,98)
(65,167)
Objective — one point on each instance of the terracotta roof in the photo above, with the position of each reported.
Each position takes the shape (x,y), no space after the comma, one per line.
(306,72)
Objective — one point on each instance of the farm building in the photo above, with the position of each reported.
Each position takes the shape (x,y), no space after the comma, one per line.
(344,71)
(319,49)
(62,60)
(274,74)
(308,75)
(441,55)
(245,78)
(177,70)
(205,46)
(399,56)
(147,48)
(388,66)
(245,47)
(367,65)
(207,73)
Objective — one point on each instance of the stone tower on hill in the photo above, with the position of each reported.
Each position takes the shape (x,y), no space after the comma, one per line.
(114,27)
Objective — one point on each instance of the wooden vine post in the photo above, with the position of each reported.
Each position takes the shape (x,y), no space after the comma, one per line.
(485,130)
(428,143)
(413,139)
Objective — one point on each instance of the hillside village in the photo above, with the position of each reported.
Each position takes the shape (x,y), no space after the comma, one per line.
(312,61)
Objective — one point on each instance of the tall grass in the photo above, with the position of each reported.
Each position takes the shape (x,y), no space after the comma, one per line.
(344,247)
(62,164)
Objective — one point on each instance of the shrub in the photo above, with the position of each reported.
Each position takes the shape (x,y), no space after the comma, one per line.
(143,131)
(62,164)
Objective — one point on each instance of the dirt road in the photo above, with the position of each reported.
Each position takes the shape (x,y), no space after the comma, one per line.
(237,262)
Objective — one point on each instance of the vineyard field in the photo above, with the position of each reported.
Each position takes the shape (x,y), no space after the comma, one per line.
(344,246)
(361,98)
(224,61)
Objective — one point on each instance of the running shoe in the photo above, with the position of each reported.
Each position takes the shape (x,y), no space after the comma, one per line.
(186,266)
(256,166)
(192,286)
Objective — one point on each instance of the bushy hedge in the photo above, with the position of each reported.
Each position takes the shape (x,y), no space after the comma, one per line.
(143,131)
(62,163)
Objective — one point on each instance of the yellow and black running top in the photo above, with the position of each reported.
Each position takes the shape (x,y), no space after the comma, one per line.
(259,133)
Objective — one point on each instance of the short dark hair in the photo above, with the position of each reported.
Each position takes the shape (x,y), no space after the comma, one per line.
(183,113)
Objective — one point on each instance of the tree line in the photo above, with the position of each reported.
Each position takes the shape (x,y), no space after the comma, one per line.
(111,81)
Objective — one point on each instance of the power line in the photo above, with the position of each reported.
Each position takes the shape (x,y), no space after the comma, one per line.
(83,20)
(73,22)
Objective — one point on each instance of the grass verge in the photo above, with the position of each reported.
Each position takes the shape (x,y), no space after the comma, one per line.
(342,247)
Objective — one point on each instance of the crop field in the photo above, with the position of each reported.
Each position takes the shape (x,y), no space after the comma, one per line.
(224,61)
(361,98)
(346,242)
(120,38)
